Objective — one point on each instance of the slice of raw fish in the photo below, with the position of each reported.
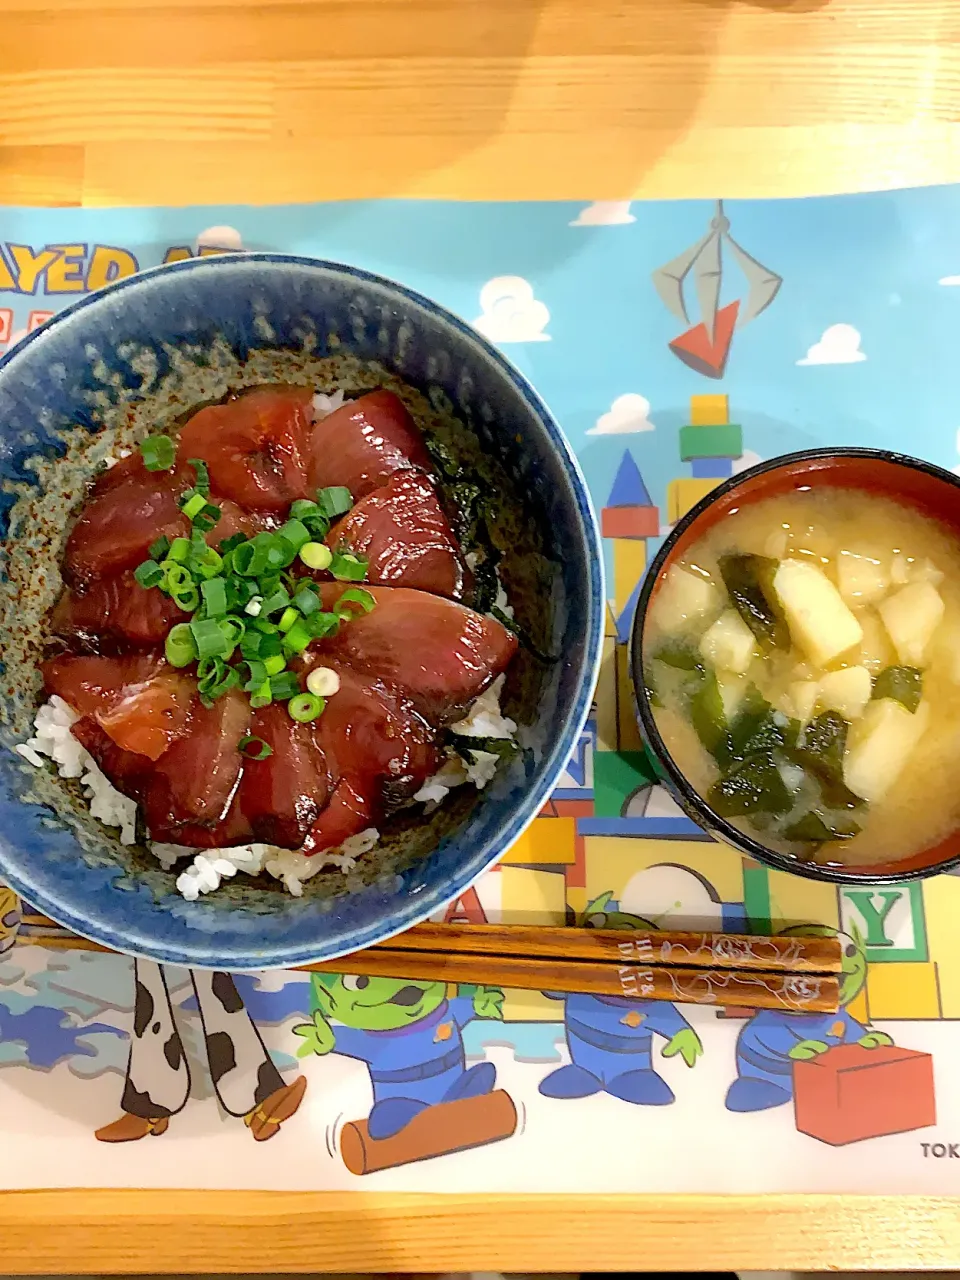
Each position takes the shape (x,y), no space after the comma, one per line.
(133,775)
(233,830)
(126,770)
(363,443)
(92,684)
(139,701)
(282,796)
(378,748)
(194,782)
(254,446)
(116,528)
(116,610)
(440,652)
(402,530)
(149,718)
(348,813)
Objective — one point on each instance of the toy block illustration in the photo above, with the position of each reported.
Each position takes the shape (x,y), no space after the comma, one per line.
(6,324)
(685,493)
(852,1093)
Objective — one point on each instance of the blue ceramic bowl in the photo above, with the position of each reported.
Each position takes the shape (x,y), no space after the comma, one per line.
(165,340)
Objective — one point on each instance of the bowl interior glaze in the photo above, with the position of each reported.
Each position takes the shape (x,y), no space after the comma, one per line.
(912,482)
(137,356)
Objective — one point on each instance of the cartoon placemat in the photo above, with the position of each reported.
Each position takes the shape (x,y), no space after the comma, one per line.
(676,343)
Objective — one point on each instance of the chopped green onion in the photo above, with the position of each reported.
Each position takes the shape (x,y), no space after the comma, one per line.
(250,643)
(204,562)
(261,696)
(254,748)
(186,599)
(295,533)
(202,484)
(253,606)
(323,681)
(354,595)
(347,567)
(274,603)
(297,638)
(158,453)
(303,507)
(334,501)
(209,673)
(270,644)
(258,673)
(323,624)
(193,506)
(174,575)
(207,517)
(273,666)
(179,550)
(316,556)
(149,574)
(214,594)
(282,553)
(304,707)
(231,543)
(287,619)
(210,638)
(307,601)
(230,679)
(249,559)
(160,549)
(284,685)
(180,648)
(234,629)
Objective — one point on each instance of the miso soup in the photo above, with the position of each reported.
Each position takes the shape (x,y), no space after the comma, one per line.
(803,664)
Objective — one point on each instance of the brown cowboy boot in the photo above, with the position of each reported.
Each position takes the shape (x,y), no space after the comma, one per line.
(265,1120)
(132,1128)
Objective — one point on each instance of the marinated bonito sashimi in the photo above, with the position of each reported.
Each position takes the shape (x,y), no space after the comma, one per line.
(363,443)
(441,653)
(261,633)
(114,611)
(402,532)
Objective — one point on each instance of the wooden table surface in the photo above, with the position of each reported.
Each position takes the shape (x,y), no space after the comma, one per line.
(202,101)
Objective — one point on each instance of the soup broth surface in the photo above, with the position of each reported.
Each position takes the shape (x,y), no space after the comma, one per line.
(804,664)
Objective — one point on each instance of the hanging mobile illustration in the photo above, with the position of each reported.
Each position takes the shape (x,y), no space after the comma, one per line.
(705,346)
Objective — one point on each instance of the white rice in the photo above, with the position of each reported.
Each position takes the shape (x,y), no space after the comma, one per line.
(53,738)
(324,404)
(483,720)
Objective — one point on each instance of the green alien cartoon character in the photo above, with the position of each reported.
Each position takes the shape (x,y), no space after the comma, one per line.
(408,1034)
(770,1043)
(610,1038)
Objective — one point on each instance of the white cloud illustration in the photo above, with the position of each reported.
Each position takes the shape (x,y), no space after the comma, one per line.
(840,344)
(746,460)
(627,414)
(510,312)
(949,280)
(228,238)
(604,213)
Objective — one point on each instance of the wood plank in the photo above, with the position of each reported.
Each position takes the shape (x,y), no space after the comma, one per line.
(41,175)
(611,165)
(250,1231)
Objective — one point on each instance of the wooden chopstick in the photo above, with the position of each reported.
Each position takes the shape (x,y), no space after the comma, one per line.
(781,954)
(747,989)
(706,969)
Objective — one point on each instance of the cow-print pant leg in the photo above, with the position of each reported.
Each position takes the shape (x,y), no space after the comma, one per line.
(242,1072)
(158,1077)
